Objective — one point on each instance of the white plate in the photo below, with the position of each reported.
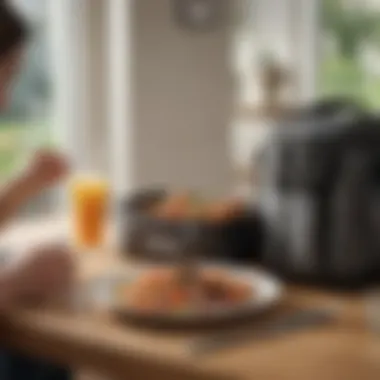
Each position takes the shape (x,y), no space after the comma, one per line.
(267,292)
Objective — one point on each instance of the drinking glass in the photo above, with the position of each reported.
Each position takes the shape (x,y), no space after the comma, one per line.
(90,202)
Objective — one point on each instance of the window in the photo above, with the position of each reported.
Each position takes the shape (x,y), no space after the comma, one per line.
(25,125)
(72,92)
(350,31)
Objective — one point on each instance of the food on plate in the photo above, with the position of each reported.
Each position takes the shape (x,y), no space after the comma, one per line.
(174,207)
(161,290)
(184,206)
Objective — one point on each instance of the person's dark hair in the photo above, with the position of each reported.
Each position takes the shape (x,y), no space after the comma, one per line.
(13,30)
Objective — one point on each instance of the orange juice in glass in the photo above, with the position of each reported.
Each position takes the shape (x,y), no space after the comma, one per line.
(90,200)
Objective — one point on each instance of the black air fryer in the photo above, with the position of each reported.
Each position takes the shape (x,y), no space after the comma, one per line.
(320,197)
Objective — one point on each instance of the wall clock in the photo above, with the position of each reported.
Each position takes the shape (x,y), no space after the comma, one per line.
(199,15)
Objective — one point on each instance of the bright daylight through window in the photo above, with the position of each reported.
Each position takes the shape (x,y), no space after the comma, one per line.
(26,126)
(351,50)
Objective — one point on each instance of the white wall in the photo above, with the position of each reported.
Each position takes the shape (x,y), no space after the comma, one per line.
(182,103)
(169,94)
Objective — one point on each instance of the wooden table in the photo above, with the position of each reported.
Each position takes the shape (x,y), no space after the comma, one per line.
(90,339)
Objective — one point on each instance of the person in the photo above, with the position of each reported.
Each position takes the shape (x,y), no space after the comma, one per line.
(45,272)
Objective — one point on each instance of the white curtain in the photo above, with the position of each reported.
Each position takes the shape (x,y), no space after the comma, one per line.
(78,52)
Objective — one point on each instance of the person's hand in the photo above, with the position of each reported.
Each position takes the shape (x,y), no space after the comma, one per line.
(46,169)
(45,274)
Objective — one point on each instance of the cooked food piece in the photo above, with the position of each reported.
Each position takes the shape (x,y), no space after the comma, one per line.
(157,290)
(174,207)
(196,211)
(219,286)
(217,212)
(236,207)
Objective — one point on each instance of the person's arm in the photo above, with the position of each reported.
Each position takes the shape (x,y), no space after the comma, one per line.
(7,289)
(46,169)
(14,195)
(42,274)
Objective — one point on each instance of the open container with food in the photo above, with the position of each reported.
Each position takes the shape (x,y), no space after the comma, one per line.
(156,224)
